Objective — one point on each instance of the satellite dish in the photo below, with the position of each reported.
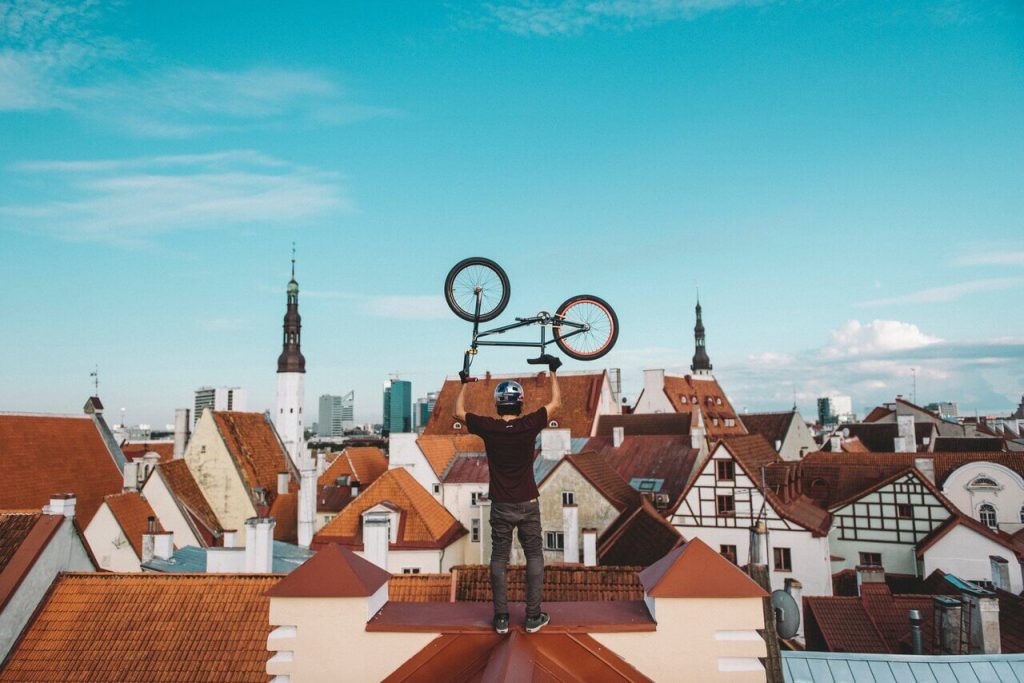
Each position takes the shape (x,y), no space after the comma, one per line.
(787,614)
(846,432)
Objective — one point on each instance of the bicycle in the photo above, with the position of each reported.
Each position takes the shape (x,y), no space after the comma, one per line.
(477,290)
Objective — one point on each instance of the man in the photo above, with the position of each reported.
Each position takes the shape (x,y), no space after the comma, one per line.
(509,441)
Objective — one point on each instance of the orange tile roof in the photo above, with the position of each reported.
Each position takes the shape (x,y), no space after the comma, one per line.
(420,588)
(440,450)
(253,443)
(147,627)
(41,455)
(581,393)
(14,528)
(694,570)
(709,396)
(132,512)
(285,511)
(425,523)
(183,486)
(137,449)
(361,463)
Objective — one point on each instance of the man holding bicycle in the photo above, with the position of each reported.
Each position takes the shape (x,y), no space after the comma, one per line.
(509,441)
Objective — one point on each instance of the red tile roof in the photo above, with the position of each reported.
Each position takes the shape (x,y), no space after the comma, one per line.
(562,583)
(147,627)
(772,426)
(706,394)
(651,457)
(253,444)
(468,469)
(596,470)
(581,394)
(183,487)
(646,424)
(360,463)
(137,449)
(333,572)
(968,444)
(642,538)
(874,622)
(285,511)
(14,528)
(420,587)
(425,523)
(880,437)
(41,455)
(694,570)
(132,512)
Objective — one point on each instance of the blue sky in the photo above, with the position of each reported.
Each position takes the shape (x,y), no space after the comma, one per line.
(842,179)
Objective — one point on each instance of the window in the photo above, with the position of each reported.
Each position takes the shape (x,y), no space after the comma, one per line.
(983,482)
(783,561)
(202,449)
(904,511)
(474,498)
(568,498)
(871,559)
(474,531)
(725,470)
(718,401)
(726,505)
(456,425)
(648,485)
(410,570)
(730,422)
(553,424)
(987,515)
(436,488)
(554,540)
(1022,515)
(682,399)
(714,421)
(728,552)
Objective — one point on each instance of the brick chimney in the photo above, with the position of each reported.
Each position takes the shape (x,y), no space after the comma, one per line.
(906,442)
(948,624)
(984,606)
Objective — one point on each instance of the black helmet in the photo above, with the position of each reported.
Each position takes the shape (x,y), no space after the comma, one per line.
(508,397)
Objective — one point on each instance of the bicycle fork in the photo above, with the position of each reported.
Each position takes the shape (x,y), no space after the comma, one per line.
(467,359)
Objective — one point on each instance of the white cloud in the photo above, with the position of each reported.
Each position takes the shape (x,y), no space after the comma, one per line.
(129,201)
(854,338)
(572,17)
(948,292)
(408,307)
(993,258)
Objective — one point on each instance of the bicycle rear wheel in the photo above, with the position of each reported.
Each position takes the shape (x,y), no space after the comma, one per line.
(599,332)
(472,275)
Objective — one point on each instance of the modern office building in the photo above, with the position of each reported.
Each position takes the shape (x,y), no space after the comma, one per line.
(336,414)
(397,406)
(423,410)
(218,398)
(833,410)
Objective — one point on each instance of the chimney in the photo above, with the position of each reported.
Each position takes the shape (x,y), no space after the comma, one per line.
(306,514)
(259,545)
(571,533)
(1000,572)
(984,606)
(555,443)
(618,436)
(759,544)
(916,639)
(61,504)
(697,431)
(181,432)
(485,529)
(590,547)
(926,466)
(654,383)
(948,624)
(149,540)
(163,545)
(282,483)
(906,442)
(869,574)
(131,476)
(354,485)
(229,539)
(376,538)
(796,591)
(149,462)
(835,443)
(321,464)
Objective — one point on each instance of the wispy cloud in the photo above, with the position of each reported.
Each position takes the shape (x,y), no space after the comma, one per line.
(408,307)
(573,17)
(131,201)
(948,292)
(993,258)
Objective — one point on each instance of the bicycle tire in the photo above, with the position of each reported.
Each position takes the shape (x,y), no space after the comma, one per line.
(603,332)
(464,277)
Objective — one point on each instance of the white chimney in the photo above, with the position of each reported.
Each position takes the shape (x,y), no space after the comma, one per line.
(654,382)
(149,462)
(163,545)
(149,540)
(259,545)
(869,574)
(306,514)
(282,482)
(485,529)
(590,547)
(555,443)
(571,532)
(321,464)
(181,432)
(835,443)
(697,431)
(225,560)
(354,485)
(230,538)
(62,504)
(618,436)
(376,537)
(926,466)
(796,591)
(131,476)
(906,442)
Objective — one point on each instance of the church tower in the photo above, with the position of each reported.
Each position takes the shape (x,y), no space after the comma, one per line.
(291,376)
(701,363)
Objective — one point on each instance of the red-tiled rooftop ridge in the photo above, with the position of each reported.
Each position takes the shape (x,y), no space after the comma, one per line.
(333,572)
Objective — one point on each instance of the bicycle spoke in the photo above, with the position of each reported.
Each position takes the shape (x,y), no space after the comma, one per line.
(598,329)
(469,280)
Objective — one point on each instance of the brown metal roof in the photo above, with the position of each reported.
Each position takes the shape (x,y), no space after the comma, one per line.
(646,424)
(23,537)
(333,572)
(643,538)
(694,570)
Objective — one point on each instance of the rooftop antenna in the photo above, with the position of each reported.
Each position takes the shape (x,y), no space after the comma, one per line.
(293,260)
(913,373)
(95,374)
(794,399)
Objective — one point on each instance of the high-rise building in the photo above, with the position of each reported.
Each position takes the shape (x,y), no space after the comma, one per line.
(397,406)
(336,414)
(833,410)
(291,375)
(423,410)
(218,398)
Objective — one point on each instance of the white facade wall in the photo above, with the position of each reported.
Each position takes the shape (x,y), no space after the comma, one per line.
(289,419)
(653,399)
(965,553)
(168,513)
(595,512)
(427,561)
(403,451)
(798,440)
(1007,497)
(64,553)
(458,500)
(897,558)
(109,544)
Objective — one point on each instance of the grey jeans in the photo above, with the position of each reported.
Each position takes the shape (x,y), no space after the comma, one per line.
(525,518)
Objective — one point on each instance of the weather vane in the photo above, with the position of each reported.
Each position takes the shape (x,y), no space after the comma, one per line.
(95,374)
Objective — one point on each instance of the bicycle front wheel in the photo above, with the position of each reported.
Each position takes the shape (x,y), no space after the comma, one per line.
(473,276)
(591,327)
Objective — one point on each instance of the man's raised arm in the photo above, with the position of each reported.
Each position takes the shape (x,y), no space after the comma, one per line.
(556,395)
(460,404)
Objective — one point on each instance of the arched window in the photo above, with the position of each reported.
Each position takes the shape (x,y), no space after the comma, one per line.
(987,515)
(983,481)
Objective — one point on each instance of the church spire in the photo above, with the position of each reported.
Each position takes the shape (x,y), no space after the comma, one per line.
(701,363)
(291,359)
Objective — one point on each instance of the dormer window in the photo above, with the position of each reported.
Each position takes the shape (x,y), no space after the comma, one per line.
(718,401)
(983,482)
(682,399)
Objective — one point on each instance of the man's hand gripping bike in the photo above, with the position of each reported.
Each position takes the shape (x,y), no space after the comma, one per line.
(584,327)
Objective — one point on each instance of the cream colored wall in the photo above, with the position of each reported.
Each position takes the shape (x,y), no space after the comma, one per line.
(330,642)
(428,561)
(695,640)
(218,477)
(109,544)
(798,441)
(595,512)
(966,553)
(168,513)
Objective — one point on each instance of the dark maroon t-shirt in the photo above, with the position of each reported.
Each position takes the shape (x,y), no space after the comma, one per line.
(510,447)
